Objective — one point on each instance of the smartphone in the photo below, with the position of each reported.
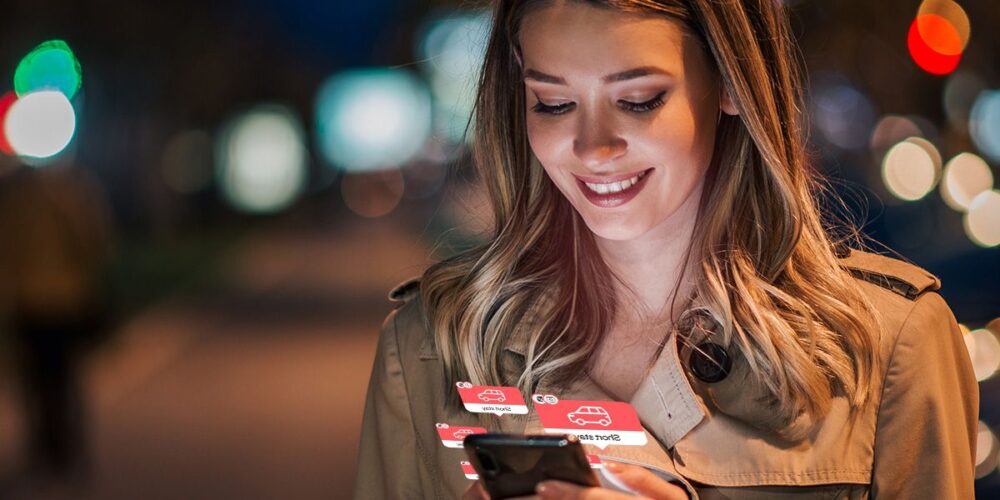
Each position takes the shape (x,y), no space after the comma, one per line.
(510,465)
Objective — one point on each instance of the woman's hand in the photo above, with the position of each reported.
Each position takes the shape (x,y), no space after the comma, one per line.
(644,482)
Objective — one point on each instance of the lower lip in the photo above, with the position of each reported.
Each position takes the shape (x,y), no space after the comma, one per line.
(610,200)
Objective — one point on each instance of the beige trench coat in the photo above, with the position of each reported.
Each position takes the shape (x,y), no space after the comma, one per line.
(916,441)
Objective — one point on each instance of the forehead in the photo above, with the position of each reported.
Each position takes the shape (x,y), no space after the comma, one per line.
(574,39)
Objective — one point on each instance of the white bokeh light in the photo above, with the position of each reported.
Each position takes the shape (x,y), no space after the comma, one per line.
(453,49)
(909,170)
(987,447)
(982,221)
(984,350)
(372,119)
(262,159)
(965,176)
(40,124)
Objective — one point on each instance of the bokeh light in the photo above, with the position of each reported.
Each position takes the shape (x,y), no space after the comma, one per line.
(984,123)
(945,40)
(40,124)
(50,66)
(923,54)
(842,113)
(909,170)
(372,194)
(891,129)
(982,221)
(262,159)
(965,176)
(452,50)
(987,450)
(938,35)
(984,351)
(6,101)
(372,119)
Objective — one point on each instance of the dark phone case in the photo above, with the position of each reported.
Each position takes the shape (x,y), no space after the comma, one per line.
(520,462)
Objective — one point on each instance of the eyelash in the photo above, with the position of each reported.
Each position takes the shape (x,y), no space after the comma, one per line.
(635,107)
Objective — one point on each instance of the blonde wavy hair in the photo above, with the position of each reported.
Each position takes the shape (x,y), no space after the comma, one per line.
(770,276)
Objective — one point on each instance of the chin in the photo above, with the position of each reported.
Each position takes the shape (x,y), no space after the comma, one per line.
(616,231)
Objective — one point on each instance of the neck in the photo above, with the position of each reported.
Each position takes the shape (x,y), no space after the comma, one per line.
(653,263)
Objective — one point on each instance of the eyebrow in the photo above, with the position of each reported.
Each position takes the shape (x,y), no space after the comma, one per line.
(532,74)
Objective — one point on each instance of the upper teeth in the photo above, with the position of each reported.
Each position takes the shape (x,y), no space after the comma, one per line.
(614,187)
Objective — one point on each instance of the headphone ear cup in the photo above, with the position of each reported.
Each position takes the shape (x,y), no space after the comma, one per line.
(710,362)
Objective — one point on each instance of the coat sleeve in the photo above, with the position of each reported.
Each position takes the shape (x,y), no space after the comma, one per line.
(389,466)
(925,439)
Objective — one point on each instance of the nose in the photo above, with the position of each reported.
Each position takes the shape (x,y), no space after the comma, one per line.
(597,143)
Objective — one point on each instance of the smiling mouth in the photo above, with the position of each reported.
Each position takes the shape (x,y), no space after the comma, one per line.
(616,187)
(616,193)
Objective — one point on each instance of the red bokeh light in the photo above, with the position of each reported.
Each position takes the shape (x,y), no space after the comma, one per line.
(5,103)
(928,32)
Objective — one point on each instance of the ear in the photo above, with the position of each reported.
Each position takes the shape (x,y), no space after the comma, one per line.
(727,105)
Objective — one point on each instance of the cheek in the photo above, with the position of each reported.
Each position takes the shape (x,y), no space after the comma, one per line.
(545,142)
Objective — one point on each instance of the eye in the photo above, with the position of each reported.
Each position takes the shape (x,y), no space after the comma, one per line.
(551,110)
(642,107)
(635,107)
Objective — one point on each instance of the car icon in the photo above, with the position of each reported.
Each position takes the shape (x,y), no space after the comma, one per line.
(492,395)
(461,433)
(590,415)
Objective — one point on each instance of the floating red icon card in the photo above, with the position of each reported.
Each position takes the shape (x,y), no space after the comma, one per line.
(469,471)
(600,423)
(595,461)
(452,436)
(491,399)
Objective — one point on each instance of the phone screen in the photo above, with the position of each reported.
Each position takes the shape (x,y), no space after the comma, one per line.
(511,465)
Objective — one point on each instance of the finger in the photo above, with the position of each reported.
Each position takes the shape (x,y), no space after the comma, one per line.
(569,491)
(644,482)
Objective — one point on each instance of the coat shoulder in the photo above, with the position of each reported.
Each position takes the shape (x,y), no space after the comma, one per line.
(405,290)
(411,319)
(895,275)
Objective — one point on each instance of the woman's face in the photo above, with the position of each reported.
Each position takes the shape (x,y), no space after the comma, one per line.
(613,97)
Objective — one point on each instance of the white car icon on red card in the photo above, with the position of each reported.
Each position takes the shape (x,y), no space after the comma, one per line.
(492,395)
(495,399)
(461,433)
(600,423)
(590,415)
(453,436)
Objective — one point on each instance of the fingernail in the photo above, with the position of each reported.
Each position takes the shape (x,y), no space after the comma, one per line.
(613,466)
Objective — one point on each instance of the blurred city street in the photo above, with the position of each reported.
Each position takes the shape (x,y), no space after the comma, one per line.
(254,393)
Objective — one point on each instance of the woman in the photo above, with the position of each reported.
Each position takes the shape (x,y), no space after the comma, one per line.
(658,241)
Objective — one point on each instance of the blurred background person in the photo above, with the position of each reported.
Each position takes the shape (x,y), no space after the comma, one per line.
(54,258)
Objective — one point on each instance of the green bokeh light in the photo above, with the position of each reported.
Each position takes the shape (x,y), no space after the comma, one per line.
(50,66)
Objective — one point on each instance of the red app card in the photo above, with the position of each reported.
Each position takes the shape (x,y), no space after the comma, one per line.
(595,461)
(452,436)
(491,399)
(599,423)
(469,471)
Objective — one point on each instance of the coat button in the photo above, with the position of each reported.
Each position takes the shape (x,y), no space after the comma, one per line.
(710,362)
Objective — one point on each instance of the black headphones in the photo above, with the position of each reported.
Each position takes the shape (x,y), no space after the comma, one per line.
(710,362)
